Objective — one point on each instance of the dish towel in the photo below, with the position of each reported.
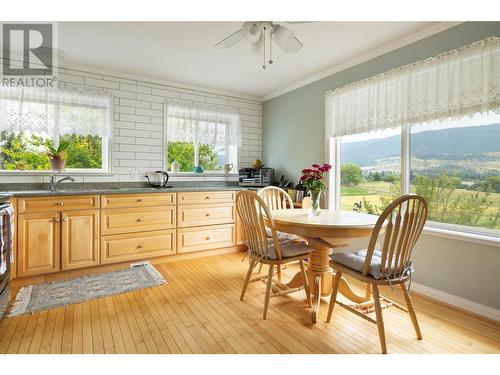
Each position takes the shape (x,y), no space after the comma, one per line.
(6,236)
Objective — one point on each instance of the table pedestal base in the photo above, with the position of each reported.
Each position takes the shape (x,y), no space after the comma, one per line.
(320,277)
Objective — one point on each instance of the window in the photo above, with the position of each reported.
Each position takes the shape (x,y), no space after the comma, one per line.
(370,170)
(201,136)
(31,119)
(446,113)
(455,166)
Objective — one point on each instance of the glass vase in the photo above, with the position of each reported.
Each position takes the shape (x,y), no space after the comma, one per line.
(315,198)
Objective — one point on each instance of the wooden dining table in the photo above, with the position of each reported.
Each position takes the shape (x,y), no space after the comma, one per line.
(328,230)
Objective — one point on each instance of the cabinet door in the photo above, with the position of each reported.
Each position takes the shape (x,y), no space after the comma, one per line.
(80,239)
(39,240)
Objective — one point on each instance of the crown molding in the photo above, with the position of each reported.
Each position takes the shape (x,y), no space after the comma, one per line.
(185,86)
(368,55)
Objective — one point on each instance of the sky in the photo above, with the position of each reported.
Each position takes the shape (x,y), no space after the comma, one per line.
(477,120)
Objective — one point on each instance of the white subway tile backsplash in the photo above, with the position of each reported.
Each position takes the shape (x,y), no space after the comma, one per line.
(101,83)
(138,113)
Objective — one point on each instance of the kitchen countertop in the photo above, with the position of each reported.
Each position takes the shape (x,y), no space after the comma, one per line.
(33,190)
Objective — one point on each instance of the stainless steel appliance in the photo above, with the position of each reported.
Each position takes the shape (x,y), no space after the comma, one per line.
(256,176)
(158,179)
(6,252)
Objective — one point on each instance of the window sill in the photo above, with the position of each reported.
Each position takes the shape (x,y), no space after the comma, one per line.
(201,175)
(73,172)
(480,239)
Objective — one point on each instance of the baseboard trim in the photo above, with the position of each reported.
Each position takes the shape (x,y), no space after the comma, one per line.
(462,303)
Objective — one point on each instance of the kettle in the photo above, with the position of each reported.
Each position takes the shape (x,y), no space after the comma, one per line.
(158,178)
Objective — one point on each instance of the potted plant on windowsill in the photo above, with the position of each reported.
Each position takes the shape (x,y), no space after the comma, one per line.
(314,180)
(57,154)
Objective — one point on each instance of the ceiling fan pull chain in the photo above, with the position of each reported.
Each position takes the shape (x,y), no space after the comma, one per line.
(264,35)
(271,46)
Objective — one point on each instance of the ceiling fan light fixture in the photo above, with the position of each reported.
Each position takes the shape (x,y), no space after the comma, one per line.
(285,38)
(258,47)
(252,31)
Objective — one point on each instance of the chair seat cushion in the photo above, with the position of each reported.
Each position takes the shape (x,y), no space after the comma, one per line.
(356,261)
(282,236)
(289,248)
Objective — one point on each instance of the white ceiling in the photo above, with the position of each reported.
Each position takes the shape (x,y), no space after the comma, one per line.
(184,52)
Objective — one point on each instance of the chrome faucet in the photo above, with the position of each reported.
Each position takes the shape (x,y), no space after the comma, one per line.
(53,184)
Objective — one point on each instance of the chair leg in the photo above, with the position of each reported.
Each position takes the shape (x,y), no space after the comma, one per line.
(306,282)
(268,290)
(260,268)
(252,265)
(278,269)
(380,320)
(333,297)
(411,311)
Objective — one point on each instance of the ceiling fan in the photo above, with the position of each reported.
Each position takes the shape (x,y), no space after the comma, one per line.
(260,35)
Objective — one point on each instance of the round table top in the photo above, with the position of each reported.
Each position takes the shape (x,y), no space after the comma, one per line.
(329,223)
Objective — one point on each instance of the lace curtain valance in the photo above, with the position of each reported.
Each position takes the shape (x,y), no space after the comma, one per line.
(54,112)
(462,82)
(202,124)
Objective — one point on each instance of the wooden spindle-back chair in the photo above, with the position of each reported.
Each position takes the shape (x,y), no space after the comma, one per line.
(276,199)
(399,228)
(253,212)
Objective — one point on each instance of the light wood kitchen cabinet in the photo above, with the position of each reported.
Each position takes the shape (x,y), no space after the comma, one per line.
(134,246)
(127,220)
(205,238)
(206,197)
(79,239)
(137,200)
(63,233)
(208,214)
(39,241)
(57,203)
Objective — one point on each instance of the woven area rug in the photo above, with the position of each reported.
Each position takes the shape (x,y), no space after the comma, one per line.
(44,296)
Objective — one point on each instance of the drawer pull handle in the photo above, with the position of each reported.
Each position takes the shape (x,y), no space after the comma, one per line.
(64,219)
(140,199)
(207,197)
(60,203)
(140,219)
(141,246)
(207,214)
(207,238)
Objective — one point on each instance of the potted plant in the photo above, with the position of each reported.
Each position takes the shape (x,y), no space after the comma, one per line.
(56,154)
(314,180)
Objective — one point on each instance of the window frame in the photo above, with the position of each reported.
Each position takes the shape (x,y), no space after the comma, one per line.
(456,231)
(215,173)
(106,154)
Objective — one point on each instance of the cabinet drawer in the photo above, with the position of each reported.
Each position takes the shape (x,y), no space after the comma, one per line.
(126,247)
(212,237)
(137,219)
(207,197)
(61,203)
(137,200)
(190,216)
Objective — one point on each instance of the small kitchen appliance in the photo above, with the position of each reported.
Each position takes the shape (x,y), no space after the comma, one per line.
(158,179)
(256,177)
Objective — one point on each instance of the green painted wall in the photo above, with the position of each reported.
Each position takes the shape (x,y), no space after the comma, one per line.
(294,138)
(294,123)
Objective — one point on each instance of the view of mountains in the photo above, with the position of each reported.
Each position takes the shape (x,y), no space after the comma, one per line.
(470,143)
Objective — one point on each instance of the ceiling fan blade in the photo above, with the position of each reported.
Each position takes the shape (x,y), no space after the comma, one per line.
(230,40)
(286,39)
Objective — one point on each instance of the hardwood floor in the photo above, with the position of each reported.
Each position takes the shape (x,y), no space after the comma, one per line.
(199,311)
